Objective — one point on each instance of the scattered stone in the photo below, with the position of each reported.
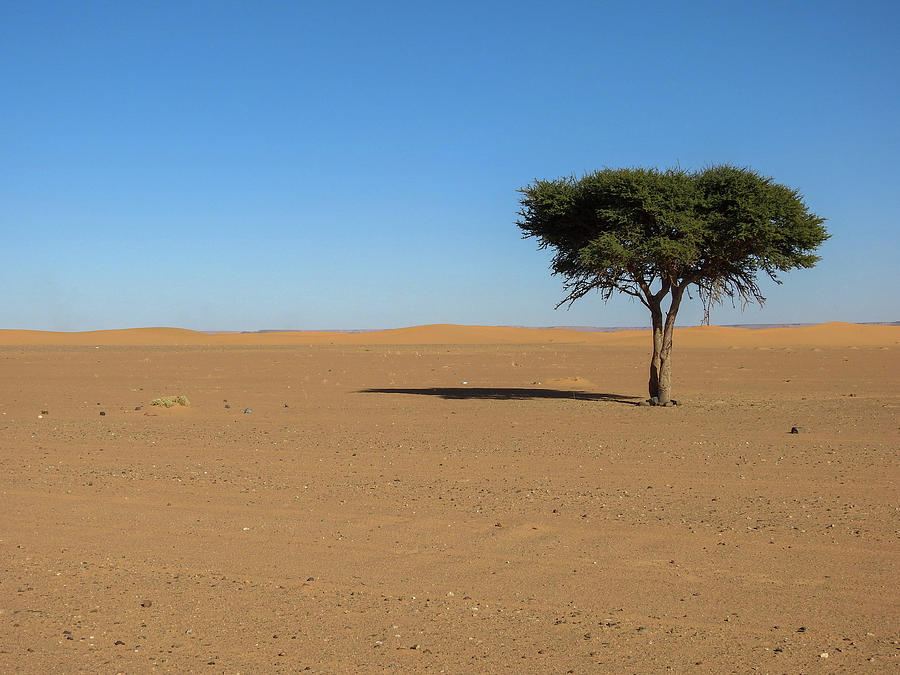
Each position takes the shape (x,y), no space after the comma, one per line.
(102,413)
(286,405)
(654,400)
(119,642)
(248,411)
(823,655)
(45,412)
(644,404)
(464,382)
(795,430)
(227,405)
(310,578)
(147,603)
(669,404)
(137,407)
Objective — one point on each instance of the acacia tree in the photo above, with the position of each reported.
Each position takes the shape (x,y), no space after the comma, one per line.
(653,234)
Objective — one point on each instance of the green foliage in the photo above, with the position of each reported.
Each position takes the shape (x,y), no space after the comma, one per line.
(645,232)
(170,401)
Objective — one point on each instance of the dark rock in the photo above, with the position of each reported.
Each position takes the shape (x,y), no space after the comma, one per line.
(45,412)
(119,642)
(674,402)
(147,603)
(102,413)
(795,430)
(654,400)
(310,578)
(137,407)
(248,411)
(227,405)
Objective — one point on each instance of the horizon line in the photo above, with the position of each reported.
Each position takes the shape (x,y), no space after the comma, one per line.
(582,328)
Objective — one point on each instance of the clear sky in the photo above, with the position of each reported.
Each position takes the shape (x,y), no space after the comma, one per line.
(351,164)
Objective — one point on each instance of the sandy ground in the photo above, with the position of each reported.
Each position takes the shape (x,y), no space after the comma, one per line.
(496,503)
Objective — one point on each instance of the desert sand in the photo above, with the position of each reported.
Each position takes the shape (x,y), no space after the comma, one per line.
(449,499)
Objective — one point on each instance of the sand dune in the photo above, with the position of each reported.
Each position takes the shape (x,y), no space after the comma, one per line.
(836,334)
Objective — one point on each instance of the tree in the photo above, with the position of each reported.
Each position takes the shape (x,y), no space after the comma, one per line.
(653,234)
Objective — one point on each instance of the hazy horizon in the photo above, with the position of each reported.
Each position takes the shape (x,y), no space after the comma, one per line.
(544,327)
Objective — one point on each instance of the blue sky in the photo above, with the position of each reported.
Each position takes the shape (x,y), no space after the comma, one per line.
(236,165)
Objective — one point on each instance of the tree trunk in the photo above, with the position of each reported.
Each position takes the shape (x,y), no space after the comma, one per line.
(655,360)
(665,362)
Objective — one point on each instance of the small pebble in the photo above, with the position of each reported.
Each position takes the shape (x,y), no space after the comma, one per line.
(102,413)
(248,411)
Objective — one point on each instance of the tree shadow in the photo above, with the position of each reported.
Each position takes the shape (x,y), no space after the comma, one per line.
(505,394)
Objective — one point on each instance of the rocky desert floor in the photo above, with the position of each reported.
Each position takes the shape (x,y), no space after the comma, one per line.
(456,508)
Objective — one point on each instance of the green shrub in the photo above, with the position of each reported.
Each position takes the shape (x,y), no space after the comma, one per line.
(169,401)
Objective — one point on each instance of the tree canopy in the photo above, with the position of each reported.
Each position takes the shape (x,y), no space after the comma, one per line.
(650,234)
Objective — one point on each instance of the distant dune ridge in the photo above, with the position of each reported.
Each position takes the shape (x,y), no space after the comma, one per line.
(836,334)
